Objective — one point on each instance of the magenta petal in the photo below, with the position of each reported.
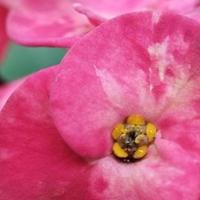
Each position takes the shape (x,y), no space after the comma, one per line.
(7,90)
(35,163)
(3,35)
(52,23)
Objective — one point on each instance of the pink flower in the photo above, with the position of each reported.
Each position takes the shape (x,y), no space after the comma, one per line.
(56,127)
(55,22)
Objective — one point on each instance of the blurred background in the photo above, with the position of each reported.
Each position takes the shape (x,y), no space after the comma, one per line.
(21,61)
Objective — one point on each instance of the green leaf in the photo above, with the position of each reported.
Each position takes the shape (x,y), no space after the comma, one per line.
(22,61)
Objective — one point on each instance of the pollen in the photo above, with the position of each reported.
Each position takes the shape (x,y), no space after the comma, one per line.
(132,138)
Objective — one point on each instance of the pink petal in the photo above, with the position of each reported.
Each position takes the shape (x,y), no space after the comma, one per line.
(182,7)
(35,163)
(128,66)
(7,90)
(111,8)
(9,3)
(94,95)
(92,17)
(3,35)
(179,118)
(168,172)
(55,23)
(195,13)
(51,23)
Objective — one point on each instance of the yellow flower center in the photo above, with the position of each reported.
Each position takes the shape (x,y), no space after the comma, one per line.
(132,138)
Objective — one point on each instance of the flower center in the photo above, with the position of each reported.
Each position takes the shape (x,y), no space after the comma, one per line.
(132,138)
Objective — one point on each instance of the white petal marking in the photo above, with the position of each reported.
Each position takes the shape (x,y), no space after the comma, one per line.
(110,86)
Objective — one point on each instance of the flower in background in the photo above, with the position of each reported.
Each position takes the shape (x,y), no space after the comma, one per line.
(3,35)
(56,128)
(5,6)
(110,9)
(46,23)
(56,23)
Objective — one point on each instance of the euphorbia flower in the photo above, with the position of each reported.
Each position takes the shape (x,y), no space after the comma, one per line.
(55,22)
(56,128)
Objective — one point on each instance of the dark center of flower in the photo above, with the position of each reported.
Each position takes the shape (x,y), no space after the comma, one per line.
(132,138)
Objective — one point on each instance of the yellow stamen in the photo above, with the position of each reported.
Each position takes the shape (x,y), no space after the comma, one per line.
(132,138)
(150,131)
(141,139)
(118,130)
(140,152)
(118,151)
(136,120)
